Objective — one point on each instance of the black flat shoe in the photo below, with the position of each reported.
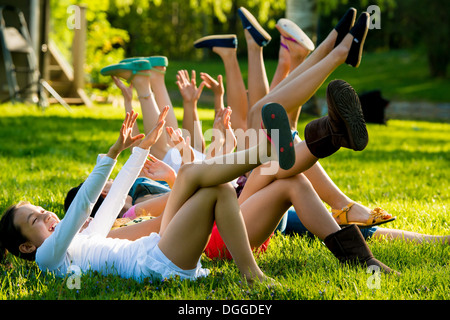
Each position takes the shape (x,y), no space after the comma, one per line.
(344,25)
(359,32)
(225,41)
(249,22)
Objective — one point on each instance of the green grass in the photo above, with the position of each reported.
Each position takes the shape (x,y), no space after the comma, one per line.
(405,169)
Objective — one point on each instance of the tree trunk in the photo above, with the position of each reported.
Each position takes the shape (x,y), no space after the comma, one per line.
(303,13)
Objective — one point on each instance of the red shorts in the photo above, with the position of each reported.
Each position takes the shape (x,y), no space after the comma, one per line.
(216,248)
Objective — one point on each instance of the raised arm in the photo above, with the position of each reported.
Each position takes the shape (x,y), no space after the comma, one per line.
(191,93)
(114,201)
(53,251)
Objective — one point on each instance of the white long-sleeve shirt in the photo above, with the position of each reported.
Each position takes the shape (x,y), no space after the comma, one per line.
(91,249)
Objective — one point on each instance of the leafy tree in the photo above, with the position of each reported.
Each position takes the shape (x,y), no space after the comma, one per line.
(411,24)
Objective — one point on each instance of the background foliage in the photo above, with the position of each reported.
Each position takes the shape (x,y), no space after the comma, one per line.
(125,28)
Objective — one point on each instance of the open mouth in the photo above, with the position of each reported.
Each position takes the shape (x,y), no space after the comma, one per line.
(52,227)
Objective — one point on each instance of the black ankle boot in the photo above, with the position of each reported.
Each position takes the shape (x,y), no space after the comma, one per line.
(343,127)
(348,246)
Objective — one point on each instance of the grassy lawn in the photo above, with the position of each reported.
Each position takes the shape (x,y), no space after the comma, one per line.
(405,169)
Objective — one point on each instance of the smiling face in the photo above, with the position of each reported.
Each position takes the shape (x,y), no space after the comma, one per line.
(36,224)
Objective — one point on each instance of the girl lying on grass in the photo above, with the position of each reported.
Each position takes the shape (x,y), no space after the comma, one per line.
(33,233)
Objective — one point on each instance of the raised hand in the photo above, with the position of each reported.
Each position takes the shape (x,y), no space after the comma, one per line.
(127,92)
(181,144)
(156,169)
(156,132)
(216,86)
(126,138)
(188,86)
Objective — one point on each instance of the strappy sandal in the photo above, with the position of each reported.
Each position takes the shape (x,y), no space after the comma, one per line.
(377,216)
(136,67)
(274,117)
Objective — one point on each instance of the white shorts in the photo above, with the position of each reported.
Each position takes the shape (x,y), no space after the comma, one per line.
(153,263)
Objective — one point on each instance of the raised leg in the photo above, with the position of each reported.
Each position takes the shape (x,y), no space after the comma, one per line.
(236,93)
(185,237)
(294,91)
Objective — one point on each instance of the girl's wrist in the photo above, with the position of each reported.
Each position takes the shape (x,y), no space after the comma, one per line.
(113,153)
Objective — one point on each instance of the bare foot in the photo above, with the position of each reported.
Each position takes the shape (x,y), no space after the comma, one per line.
(224,52)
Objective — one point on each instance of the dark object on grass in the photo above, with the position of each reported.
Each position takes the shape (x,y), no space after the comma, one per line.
(374,107)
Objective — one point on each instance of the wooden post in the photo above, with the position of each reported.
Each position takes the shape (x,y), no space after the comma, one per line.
(79,56)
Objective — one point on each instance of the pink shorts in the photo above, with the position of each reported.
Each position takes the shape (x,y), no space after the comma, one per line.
(216,248)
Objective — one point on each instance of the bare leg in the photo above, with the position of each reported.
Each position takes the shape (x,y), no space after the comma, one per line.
(333,196)
(297,90)
(235,87)
(137,230)
(297,55)
(150,112)
(258,85)
(257,179)
(315,57)
(283,66)
(392,234)
(275,198)
(185,237)
(158,85)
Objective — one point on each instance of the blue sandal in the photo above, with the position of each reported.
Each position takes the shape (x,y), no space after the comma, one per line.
(136,67)
(274,117)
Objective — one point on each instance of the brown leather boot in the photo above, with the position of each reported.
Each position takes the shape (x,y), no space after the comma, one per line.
(348,246)
(343,127)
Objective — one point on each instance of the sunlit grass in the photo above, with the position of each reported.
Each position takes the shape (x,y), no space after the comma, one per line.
(405,169)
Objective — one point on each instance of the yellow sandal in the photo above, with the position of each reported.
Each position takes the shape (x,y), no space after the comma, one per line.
(377,216)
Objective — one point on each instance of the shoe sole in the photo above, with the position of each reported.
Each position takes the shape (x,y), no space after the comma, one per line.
(342,97)
(274,117)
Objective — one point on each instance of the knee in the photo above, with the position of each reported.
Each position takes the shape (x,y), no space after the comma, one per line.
(187,173)
(226,189)
(254,116)
(300,183)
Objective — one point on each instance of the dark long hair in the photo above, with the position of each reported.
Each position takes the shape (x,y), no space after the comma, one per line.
(11,237)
